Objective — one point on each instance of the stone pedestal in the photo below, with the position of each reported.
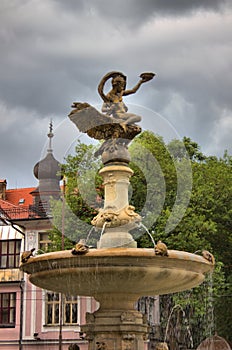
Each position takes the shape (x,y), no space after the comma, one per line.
(116,325)
(117,217)
(117,237)
(116,179)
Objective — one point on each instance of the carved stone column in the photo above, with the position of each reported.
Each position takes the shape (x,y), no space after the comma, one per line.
(116,181)
(117,217)
(116,325)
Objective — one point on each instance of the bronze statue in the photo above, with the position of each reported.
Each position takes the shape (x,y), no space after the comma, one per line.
(114,110)
(114,125)
(113,101)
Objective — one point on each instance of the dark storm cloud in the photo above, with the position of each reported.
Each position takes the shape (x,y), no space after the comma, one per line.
(55,52)
(137,12)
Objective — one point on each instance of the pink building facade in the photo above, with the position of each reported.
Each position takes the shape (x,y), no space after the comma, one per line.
(32,318)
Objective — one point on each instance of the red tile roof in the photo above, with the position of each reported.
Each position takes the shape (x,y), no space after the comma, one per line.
(7,205)
(16,204)
(15,195)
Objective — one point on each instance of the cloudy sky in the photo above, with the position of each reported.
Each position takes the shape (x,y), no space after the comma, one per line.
(54,52)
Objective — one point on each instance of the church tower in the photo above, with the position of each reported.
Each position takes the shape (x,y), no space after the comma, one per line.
(48,172)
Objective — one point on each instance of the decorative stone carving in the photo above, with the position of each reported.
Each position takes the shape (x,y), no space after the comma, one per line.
(128,317)
(110,179)
(115,150)
(128,342)
(101,345)
(161,346)
(31,240)
(111,217)
(80,248)
(127,346)
(161,249)
(129,336)
(208,256)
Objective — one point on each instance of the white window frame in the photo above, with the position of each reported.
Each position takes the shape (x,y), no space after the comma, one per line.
(55,321)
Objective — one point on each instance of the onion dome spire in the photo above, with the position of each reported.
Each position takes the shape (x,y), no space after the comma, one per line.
(48,168)
(50,136)
(48,172)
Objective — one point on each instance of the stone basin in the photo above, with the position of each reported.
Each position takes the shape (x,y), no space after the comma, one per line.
(116,278)
(117,273)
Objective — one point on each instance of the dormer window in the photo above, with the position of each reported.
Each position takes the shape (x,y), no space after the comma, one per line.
(21,201)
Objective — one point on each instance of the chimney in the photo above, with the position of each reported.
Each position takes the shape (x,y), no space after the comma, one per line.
(3,184)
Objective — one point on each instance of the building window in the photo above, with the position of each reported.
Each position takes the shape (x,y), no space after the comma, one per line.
(53,308)
(44,241)
(9,253)
(70,309)
(7,309)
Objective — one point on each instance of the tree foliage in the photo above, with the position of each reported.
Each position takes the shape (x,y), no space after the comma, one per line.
(206,223)
(82,196)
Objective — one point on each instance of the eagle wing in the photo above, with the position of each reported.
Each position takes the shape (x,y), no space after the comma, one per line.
(100,126)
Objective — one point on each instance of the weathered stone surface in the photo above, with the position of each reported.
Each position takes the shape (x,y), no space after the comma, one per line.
(117,277)
(116,212)
(98,272)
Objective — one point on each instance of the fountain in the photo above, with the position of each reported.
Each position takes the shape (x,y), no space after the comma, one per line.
(116,273)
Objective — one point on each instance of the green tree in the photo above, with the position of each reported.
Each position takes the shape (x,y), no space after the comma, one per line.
(193,312)
(82,196)
(206,223)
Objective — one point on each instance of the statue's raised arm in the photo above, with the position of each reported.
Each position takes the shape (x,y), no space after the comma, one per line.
(144,78)
(119,81)
(113,101)
(113,122)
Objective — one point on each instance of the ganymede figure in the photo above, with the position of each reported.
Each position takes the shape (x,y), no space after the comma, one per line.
(113,102)
(115,125)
